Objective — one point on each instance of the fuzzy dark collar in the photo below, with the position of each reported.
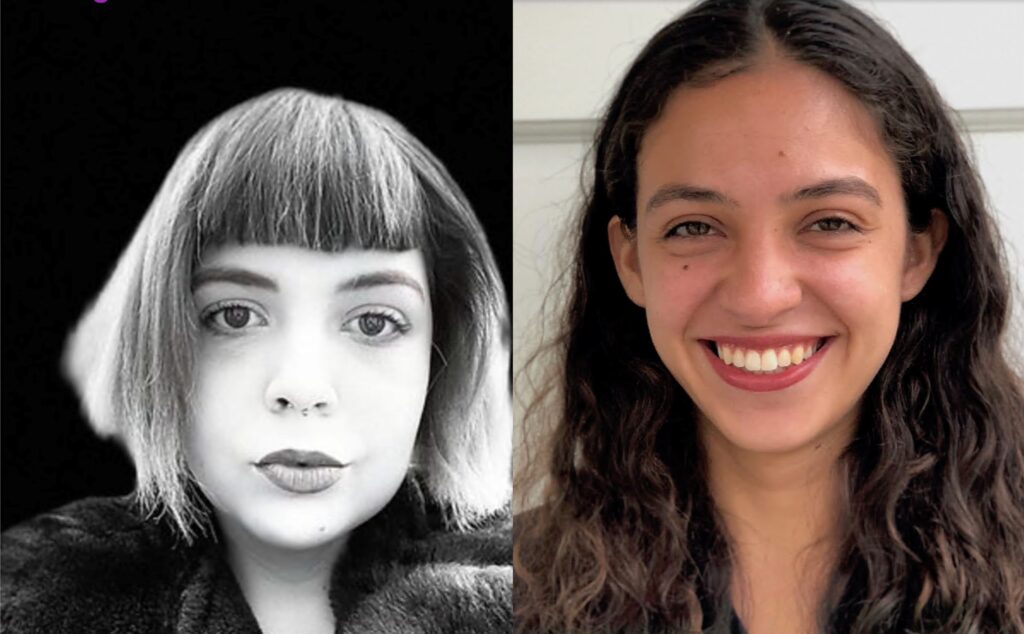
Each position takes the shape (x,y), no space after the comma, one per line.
(97,566)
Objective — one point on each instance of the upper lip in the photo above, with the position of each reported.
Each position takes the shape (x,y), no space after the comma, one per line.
(299,458)
(765,341)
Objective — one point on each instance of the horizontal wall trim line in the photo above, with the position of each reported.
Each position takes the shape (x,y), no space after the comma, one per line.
(582,130)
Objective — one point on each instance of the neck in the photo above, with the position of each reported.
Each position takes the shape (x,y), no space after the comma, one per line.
(282,584)
(782,512)
(789,498)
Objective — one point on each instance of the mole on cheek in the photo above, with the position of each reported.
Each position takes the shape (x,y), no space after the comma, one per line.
(782,154)
(686,267)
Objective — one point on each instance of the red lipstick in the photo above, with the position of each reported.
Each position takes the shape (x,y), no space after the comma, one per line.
(751,382)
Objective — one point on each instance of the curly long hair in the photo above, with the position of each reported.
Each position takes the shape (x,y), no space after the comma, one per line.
(627,536)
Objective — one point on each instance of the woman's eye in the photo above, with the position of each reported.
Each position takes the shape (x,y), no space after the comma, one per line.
(372,325)
(232,317)
(833,225)
(690,229)
(378,326)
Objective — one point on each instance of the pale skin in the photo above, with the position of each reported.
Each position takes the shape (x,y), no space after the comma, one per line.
(306,351)
(286,590)
(772,252)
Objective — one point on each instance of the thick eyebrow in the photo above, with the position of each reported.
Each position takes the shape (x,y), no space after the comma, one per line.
(241,277)
(245,277)
(678,191)
(846,186)
(381,278)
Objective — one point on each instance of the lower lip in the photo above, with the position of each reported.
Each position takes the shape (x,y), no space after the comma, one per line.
(301,479)
(766,382)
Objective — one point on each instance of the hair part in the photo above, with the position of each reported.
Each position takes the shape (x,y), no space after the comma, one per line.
(628,536)
(294,168)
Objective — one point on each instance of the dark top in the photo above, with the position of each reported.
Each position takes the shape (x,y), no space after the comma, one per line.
(97,566)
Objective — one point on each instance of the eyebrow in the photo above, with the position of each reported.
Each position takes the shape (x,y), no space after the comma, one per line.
(243,277)
(669,193)
(381,278)
(847,185)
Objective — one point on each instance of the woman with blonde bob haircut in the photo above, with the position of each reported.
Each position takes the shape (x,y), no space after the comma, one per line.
(302,342)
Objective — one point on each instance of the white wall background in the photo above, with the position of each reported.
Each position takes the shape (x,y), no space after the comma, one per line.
(569,55)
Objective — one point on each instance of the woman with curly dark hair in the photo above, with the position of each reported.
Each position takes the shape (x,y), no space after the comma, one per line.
(785,404)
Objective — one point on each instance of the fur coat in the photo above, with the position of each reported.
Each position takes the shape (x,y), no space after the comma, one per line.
(97,566)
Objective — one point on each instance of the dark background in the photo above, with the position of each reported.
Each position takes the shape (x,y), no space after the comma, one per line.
(98,98)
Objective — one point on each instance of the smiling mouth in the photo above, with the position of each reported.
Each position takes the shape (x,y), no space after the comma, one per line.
(298,471)
(791,361)
(766,360)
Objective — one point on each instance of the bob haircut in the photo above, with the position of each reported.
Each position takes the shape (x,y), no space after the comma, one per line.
(933,481)
(294,168)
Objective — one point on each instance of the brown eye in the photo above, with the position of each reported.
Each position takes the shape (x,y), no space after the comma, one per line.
(690,229)
(372,325)
(834,225)
(237,316)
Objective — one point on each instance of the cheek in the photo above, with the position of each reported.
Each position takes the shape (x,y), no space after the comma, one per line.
(220,386)
(674,291)
(386,386)
(862,289)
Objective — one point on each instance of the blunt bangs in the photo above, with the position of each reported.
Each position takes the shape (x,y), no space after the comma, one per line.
(299,169)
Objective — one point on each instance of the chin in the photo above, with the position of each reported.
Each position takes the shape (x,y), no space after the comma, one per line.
(780,432)
(296,531)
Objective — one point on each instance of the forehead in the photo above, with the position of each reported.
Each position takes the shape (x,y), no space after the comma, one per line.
(764,131)
(293,266)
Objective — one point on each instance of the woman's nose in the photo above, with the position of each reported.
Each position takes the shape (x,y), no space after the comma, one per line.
(301,381)
(762,281)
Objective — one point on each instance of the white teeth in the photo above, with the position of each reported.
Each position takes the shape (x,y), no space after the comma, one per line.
(753,361)
(766,361)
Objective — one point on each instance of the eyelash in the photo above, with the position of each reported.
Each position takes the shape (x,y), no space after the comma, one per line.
(689,224)
(707,229)
(209,317)
(849,226)
(393,319)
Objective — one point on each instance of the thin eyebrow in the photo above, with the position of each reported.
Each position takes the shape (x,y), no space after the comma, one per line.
(848,186)
(678,191)
(381,278)
(241,277)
